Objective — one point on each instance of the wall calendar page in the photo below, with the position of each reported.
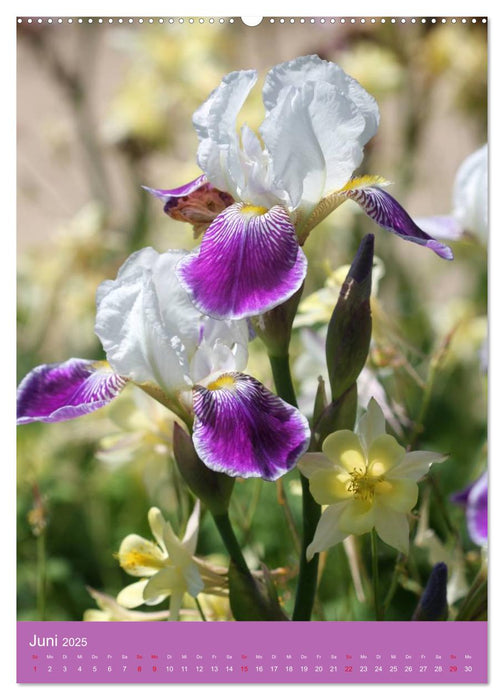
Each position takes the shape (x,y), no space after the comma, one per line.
(252,350)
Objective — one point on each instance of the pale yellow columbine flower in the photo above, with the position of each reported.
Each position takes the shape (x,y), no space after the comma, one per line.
(367,480)
(110,611)
(167,567)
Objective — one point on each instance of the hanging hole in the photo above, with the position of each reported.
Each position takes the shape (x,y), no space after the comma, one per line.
(251,21)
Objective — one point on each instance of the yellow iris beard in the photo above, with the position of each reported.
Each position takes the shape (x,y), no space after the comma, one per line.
(224,382)
(252,210)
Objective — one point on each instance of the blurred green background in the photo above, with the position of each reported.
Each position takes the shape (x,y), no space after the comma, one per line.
(105,109)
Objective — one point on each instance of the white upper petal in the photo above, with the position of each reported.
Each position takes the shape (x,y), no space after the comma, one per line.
(342,115)
(146,322)
(215,124)
(318,120)
(470,194)
(151,331)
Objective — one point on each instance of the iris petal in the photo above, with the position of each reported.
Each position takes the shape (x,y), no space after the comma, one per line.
(58,392)
(166,195)
(249,261)
(389,214)
(242,429)
(196,203)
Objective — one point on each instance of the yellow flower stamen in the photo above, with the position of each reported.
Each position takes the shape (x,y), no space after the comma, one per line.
(363,485)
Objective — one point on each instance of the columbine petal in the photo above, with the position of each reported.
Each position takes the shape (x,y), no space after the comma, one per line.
(399,495)
(328,532)
(57,392)
(414,465)
(357,517)
(344,449)
(249,261)
(314,461)
(244,430)
(392,528)
(389,214)
(133,595)
(371,425)
(327,487)
(190,539)
(139,557)
(384,454)
(168,580)
(156,524)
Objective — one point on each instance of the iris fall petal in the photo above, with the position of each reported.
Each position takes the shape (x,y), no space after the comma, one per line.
(249,261)
(244,430)
(58,392)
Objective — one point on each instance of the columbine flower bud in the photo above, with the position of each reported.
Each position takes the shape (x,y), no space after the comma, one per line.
(433,605)
(212,488)
(349,332)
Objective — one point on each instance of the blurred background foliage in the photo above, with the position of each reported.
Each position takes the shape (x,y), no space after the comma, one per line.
(103,110)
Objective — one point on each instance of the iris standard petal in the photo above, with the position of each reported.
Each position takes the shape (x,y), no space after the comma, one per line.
(248,262)
(215,124)
(57,392)
(389,214)
(318,120)
(242,429)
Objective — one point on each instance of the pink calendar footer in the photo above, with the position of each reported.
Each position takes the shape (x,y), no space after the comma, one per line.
(252,652)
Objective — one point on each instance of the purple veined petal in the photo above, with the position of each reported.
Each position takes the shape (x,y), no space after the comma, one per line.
(197,203)
(58,392)
(389,214)
(244,430)
(446,227)
(477,511)
(182,191)
(248,262)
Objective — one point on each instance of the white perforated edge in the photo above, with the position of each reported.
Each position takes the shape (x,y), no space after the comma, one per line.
(232,20)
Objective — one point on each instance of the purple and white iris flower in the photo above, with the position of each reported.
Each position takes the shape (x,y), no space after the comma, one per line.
(475,501)
(281,184)
(154,337)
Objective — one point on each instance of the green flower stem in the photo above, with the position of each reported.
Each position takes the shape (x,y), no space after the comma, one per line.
(231,543)
(307,579)
(200,609)
(376,580)
(393,584)
(41,575)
